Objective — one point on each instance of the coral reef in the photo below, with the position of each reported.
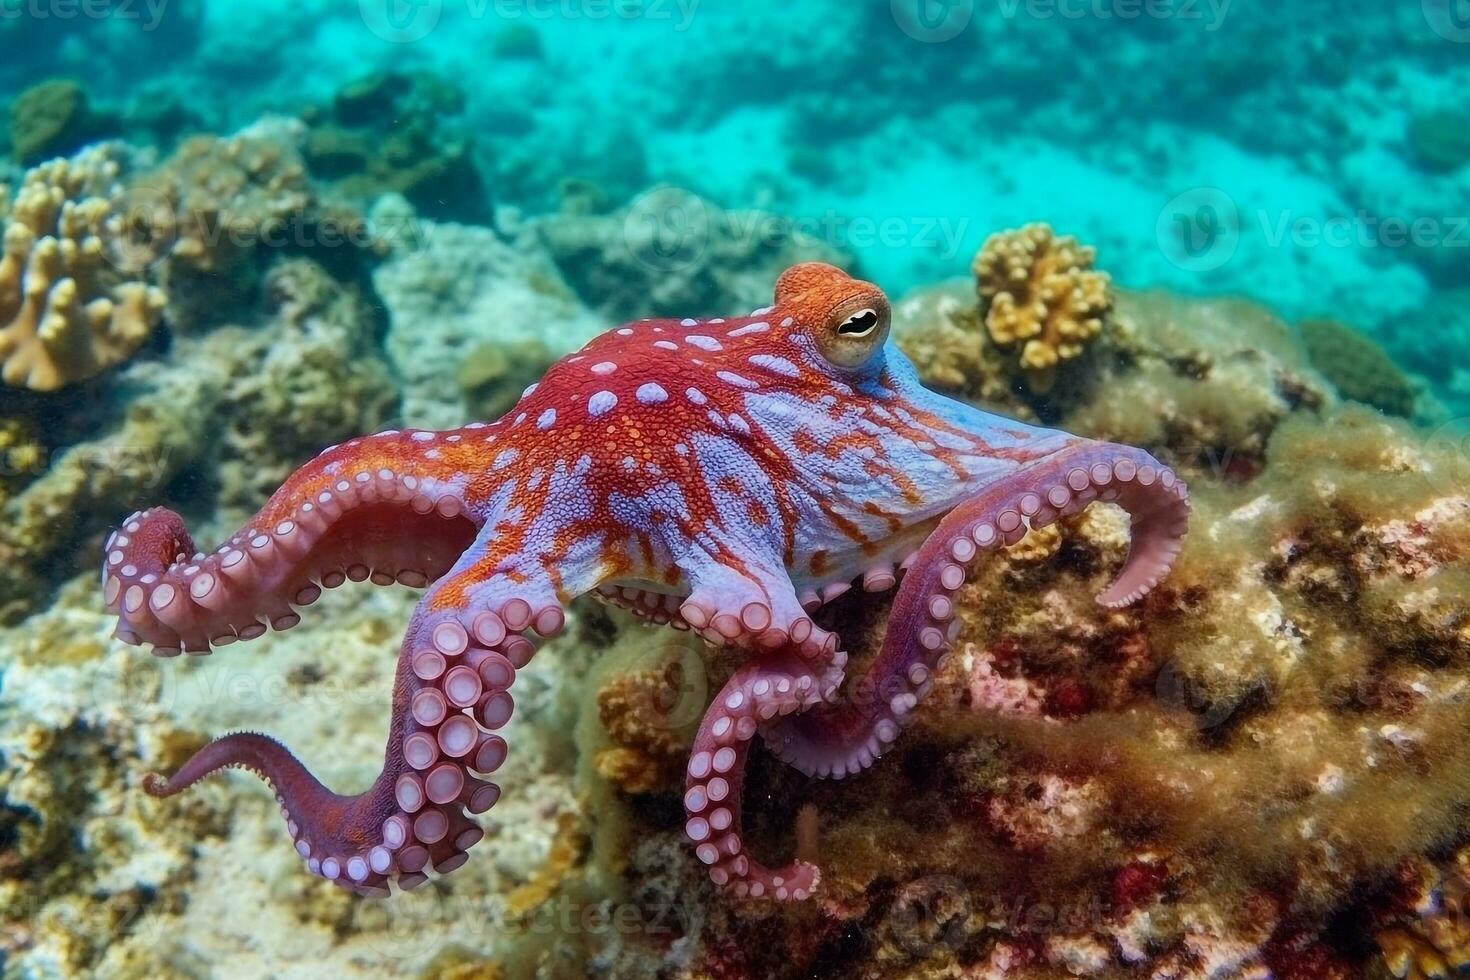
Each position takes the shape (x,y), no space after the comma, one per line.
(1038,292)
(493,375)
(69,307)
(1357,367)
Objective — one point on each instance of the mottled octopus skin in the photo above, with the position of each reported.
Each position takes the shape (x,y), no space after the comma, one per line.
(718,475)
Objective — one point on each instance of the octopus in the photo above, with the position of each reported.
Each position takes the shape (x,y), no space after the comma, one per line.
(723,476)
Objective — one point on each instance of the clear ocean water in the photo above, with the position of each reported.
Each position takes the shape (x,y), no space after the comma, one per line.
(314,219)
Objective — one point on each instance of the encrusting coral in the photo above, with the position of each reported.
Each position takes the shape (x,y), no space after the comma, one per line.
(68,309)
(1039,292)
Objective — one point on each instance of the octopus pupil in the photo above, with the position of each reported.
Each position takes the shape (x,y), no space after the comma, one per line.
(859,324)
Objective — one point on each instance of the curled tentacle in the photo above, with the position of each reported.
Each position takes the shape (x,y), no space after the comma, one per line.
(368,509)
(452,692)
(840,739)
(765,689)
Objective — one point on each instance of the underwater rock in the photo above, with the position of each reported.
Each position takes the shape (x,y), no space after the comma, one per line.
(1202,383)
(385,134)
(454,289)
(71,306)
(493,375)
(1195,788)
(317,373)
(1242,736)
(671,251)
(1038,291)
(518,41)
(1359,368)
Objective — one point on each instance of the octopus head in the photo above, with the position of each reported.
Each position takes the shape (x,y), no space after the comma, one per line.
(840,323)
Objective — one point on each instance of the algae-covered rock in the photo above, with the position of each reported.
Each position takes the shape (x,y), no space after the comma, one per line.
(1359,368)
(218,211)
(51,118)
(1204,383)
(458,292)
(1440,140)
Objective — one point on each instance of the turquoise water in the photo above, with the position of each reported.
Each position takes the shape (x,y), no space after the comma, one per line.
(1276,137)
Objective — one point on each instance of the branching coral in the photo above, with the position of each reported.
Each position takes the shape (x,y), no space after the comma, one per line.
(67,310)
(1038,291)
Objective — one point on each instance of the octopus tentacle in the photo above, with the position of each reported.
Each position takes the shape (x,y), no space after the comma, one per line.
(841,739)
(767,688)
(452,692)
(369,509)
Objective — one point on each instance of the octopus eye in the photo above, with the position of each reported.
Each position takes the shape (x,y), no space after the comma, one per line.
(854,332)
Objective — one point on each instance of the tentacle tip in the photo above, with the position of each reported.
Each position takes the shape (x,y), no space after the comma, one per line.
(156,785)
